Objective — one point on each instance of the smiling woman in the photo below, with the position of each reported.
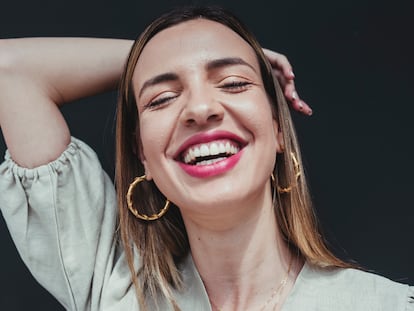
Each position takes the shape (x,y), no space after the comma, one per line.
(214,209)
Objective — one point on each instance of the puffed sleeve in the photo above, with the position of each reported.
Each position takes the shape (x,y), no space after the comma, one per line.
(62,218)
(410,304)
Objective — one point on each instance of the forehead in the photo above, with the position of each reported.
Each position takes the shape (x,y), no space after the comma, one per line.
(189,45)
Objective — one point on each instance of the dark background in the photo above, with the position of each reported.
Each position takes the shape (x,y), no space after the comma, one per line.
(353,63)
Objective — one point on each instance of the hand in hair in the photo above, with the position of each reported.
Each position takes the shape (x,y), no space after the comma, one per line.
(282,69)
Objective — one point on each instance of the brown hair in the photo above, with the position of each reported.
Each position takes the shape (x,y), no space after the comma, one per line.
(163,244)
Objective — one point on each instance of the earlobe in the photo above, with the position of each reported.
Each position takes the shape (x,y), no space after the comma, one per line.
(280,143)
(143,160)
(148,175)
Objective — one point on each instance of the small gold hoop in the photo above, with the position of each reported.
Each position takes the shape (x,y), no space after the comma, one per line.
(296,166)
(133,210)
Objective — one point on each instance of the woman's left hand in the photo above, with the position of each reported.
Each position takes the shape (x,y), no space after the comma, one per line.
(282,69)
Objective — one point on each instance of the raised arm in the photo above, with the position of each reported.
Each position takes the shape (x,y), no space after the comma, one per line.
(39,74)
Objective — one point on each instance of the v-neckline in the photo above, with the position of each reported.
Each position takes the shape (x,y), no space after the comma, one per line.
(202,296)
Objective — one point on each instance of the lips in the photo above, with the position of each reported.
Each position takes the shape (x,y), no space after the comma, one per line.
(211,153)
(208,153)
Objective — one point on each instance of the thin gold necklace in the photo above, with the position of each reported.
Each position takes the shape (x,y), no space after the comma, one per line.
(275,294)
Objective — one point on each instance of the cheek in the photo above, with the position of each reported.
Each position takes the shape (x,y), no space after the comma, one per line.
(151,138)
(264,125)
(156,129)
(256,113)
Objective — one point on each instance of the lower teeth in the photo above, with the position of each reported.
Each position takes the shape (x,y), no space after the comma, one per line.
(211,161)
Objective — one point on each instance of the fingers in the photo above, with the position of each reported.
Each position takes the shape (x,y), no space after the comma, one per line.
(283,71)
(296,102)
(280,62)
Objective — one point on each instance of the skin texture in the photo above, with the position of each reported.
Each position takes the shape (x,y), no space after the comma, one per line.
(286,77)
(199,100)
(229,212)
(55,71)
(39,74)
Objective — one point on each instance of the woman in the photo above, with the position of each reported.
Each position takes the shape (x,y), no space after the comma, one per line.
(220,217)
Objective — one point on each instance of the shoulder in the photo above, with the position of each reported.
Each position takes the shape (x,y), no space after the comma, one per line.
(352,289)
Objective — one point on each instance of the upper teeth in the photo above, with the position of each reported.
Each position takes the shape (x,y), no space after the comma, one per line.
(210,149)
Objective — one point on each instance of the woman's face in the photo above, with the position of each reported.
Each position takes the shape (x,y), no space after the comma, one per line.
(207,132)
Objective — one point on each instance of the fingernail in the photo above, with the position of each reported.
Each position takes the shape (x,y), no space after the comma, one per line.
(294,95)
(310,112)
(292,74)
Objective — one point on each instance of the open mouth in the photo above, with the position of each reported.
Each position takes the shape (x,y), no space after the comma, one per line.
(209,153)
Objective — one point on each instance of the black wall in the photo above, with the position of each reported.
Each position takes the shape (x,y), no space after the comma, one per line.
(354,66)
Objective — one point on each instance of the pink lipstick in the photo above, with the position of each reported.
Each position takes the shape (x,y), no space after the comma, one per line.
(210,153)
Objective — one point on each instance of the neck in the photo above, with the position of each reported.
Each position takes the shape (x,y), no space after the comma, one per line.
(242,260)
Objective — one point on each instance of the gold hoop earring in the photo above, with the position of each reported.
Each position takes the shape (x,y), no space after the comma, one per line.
(134,211)
(296,167)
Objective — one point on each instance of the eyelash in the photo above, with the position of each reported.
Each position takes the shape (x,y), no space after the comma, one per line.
(159,102)
(236,86)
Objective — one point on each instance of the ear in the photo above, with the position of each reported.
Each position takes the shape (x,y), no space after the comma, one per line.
(142,158)
(280,143)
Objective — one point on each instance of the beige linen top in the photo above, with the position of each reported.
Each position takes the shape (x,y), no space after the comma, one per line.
(62,217)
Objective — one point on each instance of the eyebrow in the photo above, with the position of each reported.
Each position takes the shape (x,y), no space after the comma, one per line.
(211,65)
(225,62)
(164,77)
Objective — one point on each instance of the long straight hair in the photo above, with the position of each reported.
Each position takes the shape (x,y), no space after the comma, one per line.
(163,244)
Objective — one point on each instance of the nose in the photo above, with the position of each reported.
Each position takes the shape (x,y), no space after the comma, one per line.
(201,109)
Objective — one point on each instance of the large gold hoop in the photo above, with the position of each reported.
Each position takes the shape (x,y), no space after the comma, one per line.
(134,211)
(296,167)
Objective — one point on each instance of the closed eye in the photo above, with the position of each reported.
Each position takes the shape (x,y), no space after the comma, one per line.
(235,86)
(159,102)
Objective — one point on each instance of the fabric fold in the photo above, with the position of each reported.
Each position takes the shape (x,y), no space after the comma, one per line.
(62,218)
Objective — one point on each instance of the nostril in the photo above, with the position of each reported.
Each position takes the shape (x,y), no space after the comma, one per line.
(201,114)
(212,117)
(189,122)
